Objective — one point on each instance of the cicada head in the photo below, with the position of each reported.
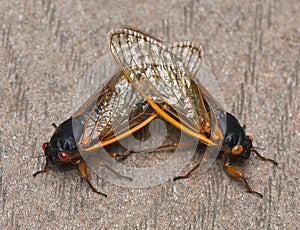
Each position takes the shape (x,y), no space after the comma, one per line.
(243,147)
(235,140)
(62,147)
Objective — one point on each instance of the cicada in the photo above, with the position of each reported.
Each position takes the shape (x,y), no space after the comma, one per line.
(112,113)
(164,75)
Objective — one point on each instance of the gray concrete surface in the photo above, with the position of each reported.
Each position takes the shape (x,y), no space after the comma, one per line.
(253,48)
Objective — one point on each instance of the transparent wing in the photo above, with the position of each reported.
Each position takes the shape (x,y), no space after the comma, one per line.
(191,54)
(114,112)
(163,74)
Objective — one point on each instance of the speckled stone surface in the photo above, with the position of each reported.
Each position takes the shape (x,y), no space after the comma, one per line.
(252,48)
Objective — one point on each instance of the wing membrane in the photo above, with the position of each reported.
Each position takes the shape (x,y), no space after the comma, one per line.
(163,76)
(114,112)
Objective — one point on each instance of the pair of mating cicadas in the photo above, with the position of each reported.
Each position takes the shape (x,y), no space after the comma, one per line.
(160,79)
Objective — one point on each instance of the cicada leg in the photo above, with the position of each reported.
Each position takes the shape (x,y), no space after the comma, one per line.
(120,156)
(188,174)
(234,172)
(46,167)
(172,146)
(96,161)
(165,147)
(83,173)
(175,145)
(263,158)
(44,170)
(54,125)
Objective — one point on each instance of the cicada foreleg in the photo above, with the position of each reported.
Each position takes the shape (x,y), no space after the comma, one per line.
(263,158)
(44,170)
(83,173)
(234,172)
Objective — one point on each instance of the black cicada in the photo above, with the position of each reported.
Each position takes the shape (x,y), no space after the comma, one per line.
(100,122)
(164,75)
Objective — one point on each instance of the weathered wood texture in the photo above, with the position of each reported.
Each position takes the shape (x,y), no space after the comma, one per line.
(254,52)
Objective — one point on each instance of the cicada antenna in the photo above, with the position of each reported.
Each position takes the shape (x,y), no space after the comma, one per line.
(259,148)
(263,158)
(38,156)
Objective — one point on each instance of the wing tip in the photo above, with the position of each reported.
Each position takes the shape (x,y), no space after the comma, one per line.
(195,47)
(131,31)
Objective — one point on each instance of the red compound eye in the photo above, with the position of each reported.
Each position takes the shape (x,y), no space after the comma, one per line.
(44,145)
(63,156)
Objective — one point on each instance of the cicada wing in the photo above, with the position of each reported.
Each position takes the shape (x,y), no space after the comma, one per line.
(205,104)
(190,53)
(139,116)
(114,112)
(161,73)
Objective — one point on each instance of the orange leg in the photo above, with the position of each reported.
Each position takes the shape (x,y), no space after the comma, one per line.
(234,172)
(122,157)
(165,147)
(263,158)
(188,174)
(83,173)
(174,145)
